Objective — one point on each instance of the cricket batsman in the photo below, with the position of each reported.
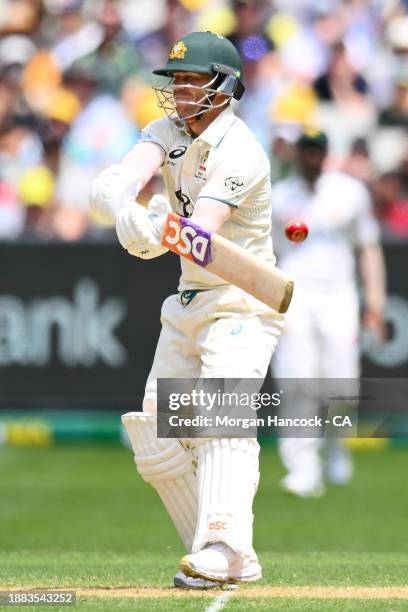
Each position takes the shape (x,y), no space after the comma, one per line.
(216,174)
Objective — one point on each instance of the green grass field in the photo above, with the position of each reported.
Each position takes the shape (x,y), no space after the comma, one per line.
(80,517)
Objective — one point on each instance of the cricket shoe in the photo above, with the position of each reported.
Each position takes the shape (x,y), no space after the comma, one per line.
(220,563)
(181,581)
(339,466)
(302,487)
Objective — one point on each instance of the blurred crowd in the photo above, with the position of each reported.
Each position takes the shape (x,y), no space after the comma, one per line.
(75,91)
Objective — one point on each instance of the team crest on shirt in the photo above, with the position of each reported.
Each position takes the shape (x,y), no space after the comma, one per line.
(201,172)
(178,50)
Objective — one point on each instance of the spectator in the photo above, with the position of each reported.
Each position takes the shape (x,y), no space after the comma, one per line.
(346,110)
(115,58)
(36,190)
(396,115)
(358,162)
(15,51)
(250,36)
(153,46)
(256,49)
(20,150)
(89,146)
(70,35)
(20,16)
(391,203)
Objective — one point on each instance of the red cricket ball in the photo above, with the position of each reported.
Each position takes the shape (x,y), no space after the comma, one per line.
(296,230)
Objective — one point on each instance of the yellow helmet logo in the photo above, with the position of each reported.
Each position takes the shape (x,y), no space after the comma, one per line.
(311,132)
(178,51)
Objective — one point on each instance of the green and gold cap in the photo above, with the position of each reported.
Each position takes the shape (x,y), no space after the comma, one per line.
(313,138)
(204,53)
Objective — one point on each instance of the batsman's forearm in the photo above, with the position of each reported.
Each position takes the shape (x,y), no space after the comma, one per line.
(210,214)
(144,159)
(373,277)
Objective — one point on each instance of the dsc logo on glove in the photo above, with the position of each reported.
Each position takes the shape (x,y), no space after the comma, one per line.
(187,239)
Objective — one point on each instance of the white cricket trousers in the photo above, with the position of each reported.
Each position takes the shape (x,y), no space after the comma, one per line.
(221,333)
(320,340)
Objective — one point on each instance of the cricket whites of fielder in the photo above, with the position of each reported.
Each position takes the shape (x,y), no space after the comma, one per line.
(217,174)
(322,327)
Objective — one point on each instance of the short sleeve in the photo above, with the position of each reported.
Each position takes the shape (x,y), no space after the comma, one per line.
(159,132)
(232,183)
(367,230)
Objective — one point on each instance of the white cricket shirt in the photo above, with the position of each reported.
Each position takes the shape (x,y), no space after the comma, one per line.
(340,220)
(224,163)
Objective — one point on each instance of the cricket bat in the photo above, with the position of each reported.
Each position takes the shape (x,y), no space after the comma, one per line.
(229,261)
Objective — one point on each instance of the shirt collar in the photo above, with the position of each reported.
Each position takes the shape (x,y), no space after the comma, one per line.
(217,129)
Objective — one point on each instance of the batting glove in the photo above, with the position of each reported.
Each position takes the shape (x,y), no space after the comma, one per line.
(112,189)
(139,229)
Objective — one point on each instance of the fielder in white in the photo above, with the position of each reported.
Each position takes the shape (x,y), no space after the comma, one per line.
(321,337)
(216,173)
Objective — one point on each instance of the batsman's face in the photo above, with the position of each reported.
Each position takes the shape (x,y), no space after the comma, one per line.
(189,91)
